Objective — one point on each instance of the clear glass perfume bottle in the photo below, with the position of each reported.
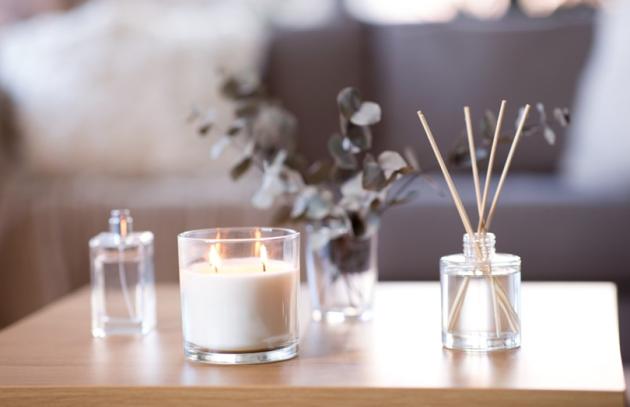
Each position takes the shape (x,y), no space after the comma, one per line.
(480,297)
(123,288)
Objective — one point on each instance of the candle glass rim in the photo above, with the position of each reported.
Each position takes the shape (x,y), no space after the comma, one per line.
(286,233)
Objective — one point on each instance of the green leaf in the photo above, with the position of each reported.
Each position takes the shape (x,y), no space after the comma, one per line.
(241,168)
(369,113)
(373,176)
(343,159)
(349,101)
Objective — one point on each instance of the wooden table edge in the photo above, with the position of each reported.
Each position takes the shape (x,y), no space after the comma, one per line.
(299,396)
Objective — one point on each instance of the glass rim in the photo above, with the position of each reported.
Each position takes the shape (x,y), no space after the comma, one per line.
(286,233)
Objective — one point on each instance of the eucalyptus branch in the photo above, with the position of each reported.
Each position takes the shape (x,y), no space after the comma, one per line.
(339,199)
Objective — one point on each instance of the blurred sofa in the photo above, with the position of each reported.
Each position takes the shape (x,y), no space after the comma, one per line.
(561,233)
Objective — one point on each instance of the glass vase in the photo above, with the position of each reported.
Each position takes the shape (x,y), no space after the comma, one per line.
(480,297)
(342,275)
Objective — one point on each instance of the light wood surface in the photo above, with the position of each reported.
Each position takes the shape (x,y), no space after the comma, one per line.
(570,356)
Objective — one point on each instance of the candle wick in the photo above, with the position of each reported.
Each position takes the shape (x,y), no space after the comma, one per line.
(264,267)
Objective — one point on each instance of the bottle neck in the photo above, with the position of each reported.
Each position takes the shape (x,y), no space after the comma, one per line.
(480,247)
(120,222)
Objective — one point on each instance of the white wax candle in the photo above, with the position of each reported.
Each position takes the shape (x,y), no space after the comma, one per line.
(238,307)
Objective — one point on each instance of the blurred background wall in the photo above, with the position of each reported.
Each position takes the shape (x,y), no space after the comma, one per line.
(94,97)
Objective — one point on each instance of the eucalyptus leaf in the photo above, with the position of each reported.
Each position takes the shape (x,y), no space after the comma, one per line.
(391,162)
(542,114)
(343,159)
(562,116)
(369,113)
(371,224)
(293,181)
(204,128)
(353,187)
(373,176)
(235,128)
(272,184)
(219,147)
(301,201)
(271,188)
(411,158)
(241,87)
(347,145)
(241,168)
(273,129)
(359,137)
(349,101)
(550,135)
(320,205)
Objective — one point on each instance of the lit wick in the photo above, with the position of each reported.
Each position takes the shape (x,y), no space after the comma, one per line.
(263,257)
(214,259)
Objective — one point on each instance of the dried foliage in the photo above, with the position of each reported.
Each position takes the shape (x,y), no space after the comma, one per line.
(540,126)
(341,197)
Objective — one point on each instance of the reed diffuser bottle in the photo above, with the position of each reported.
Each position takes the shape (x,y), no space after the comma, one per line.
(123,292)
(480,288)
(480,297)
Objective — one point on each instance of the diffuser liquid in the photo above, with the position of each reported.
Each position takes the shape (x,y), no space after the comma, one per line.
(476,326)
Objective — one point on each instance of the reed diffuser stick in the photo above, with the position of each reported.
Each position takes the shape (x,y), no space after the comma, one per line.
(506,167)
(493,150)
(475,172)
(473,158)
(447,176)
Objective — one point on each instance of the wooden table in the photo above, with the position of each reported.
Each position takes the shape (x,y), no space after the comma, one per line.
(570,356)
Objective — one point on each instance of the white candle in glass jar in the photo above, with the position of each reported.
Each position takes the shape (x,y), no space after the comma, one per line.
(239,304)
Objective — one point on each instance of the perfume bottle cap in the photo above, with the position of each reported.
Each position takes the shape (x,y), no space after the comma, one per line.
(120,222)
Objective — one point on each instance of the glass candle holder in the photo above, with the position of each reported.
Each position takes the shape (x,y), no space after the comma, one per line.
(481,292)
(239,294)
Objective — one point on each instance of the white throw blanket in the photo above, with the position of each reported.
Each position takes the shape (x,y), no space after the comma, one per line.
(106,88)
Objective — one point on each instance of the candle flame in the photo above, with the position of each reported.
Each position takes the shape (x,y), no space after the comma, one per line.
(257,236)
(263,257)
(214,259)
